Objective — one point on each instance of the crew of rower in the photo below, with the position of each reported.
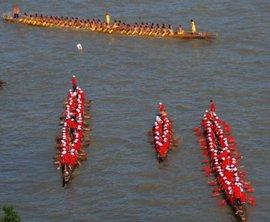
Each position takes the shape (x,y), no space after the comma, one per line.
(162,132)
(146,29)
(222,151)
(70,145)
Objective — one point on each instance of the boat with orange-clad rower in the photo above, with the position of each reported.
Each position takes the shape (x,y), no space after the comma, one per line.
(142,29)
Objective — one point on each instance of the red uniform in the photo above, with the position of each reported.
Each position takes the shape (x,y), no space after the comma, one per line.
(72,124)
(204,123)
(223,155)
(237,192)
(225,163)
(73,159)
(208,116)
(65,159)
(162,150)
(222,142)
(77,145)
(229,175)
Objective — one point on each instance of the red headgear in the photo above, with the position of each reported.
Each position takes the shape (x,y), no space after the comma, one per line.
(161,107)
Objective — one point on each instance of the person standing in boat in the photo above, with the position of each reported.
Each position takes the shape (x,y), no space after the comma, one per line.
(107,18)
(16,11)
(193,26)
(74,83)
(212,106)
(161,109)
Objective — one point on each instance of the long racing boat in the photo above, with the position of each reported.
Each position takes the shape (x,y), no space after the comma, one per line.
(74,136)
(116,27)
(162,133)
(222,162)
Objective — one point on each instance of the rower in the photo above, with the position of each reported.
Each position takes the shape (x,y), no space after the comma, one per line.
(16,11)
(181,31)
(238,194)
(193,26)
(171,32)
(107,18)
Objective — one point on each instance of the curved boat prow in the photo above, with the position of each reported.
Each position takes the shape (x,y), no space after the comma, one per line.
(9,18)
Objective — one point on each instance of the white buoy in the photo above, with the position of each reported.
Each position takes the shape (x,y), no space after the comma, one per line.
(79,47)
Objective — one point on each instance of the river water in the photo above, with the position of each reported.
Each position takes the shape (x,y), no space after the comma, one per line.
(126,77)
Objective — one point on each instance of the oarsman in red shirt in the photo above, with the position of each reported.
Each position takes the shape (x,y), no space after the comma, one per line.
(158,145)
(229,175)
(74,83)
(158,131)
(162,151)
(72,124)
(223,154)
(226,162)
(77,145)
(73,159)
(208,115)
(238,194)
(65,158)
(205,123)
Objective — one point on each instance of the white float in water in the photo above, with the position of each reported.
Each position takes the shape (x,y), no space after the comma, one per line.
(79,46)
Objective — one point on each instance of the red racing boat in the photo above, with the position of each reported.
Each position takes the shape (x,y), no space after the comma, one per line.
(219,147)
(162,133)
(75,132)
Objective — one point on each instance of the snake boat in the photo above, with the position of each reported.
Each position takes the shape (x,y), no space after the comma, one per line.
(95,25)
(162,134)
(222,162)
(73,138)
